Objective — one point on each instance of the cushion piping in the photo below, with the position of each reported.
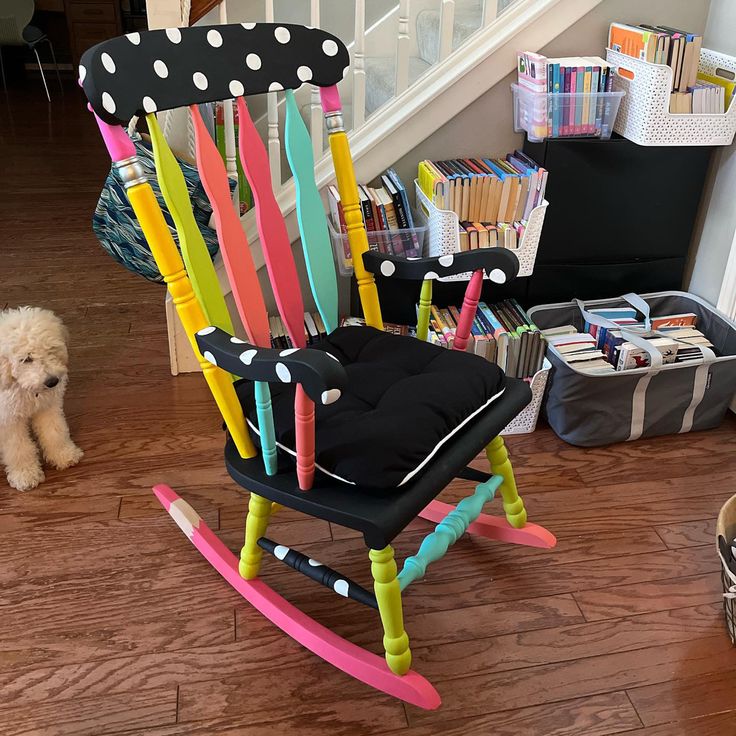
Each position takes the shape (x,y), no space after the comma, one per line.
(411,473)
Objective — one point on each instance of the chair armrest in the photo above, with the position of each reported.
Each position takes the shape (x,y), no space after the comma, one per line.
(499,263)
(319,372)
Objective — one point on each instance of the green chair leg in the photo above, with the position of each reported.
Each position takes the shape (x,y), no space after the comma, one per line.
(256,523)
(388,595)
(513,505)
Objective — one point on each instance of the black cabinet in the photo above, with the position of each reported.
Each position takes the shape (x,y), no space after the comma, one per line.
(620,219)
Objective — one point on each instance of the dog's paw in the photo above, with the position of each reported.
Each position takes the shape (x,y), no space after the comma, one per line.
(65,456)
(24,479)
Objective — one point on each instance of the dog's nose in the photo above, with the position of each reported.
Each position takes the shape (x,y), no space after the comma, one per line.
(51,381)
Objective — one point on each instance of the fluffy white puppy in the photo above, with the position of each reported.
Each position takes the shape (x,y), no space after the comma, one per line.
(33,378)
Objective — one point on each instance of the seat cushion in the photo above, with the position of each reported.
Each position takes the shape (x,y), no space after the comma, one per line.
(404,399)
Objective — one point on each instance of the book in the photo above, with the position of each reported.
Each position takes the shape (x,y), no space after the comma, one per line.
(532,75)
(632,356)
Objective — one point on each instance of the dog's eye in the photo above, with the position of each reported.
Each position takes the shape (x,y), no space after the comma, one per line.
(27,359)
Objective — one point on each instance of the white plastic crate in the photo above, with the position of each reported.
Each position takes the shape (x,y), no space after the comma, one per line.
(531,107)
(644,115)
(444,235)
(526,421)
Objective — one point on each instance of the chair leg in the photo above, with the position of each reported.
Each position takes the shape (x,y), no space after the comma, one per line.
(513,505)
(43,76)
(256,523)
(2,70)
(56,65)
(388,595)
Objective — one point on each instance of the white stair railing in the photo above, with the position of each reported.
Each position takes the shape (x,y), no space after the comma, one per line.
(392,36)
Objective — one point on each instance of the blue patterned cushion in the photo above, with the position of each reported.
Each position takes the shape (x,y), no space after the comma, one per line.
(117,228)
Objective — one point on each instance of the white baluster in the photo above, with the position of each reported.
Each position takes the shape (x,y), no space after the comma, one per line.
(229,125)
(402,49)
(274,145)
(447,27)
(316,120)
(490,11)
(359,66)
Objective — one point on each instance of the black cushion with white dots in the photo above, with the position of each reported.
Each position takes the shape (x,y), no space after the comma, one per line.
(147,71)
(403,400)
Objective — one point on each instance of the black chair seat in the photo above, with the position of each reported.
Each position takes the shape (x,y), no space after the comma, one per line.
(403,400)
(381,513)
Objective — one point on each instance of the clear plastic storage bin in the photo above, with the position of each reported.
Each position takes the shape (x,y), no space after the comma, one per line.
(565,114)
(409,242)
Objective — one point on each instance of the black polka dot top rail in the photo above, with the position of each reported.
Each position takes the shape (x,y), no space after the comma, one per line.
(160,70)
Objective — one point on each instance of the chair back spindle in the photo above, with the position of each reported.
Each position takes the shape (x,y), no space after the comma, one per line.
(311,215)
(467,313)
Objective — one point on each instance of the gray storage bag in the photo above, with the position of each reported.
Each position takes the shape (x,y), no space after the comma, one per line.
(590,410)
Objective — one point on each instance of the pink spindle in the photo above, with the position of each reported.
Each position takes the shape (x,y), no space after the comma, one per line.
(467,314)
(117,141)
(330,98)
(304,425)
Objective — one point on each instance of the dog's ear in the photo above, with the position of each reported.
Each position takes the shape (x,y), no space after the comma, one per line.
(6,374)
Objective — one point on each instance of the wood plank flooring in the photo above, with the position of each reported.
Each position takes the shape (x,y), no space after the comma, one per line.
(111,623)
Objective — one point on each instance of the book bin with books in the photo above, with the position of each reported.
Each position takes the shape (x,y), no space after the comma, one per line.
(443,234)
(644,116)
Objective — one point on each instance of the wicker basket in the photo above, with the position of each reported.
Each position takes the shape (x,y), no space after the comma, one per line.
(726,527)
(644,115)
(444,238)
(526,421)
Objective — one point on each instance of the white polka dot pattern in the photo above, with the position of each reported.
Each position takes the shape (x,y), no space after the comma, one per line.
(207,355)
(237,341)
(206,330)
(214,38)
(283,373)
(108,103)
(177,67)
(341,587)
(236,88)
(280,551)
(108,63)
(388,268)
(497,276)
(446,260)
(282,34)
(248,355)
(288,351)
(331,396)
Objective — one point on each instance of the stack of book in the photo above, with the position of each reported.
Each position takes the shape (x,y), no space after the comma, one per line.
(587,114)
(492,197)
(606,349)
(501,333)
(384,208)
(691,91)
(314,329)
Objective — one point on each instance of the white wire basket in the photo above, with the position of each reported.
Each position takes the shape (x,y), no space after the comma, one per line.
(526,421)
(644,115)
(444,235)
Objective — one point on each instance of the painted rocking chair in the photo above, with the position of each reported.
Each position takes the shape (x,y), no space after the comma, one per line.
(352,429)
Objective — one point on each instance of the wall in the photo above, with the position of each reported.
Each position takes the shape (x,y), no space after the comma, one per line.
(486,126)
(715,235)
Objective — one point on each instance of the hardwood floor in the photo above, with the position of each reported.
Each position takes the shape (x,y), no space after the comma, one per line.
(111,623)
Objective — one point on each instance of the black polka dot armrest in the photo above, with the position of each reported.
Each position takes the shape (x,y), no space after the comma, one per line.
(146,71)
(319,372)
(500,264)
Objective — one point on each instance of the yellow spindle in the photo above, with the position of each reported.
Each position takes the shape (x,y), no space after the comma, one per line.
(171,266)
(357,236)
(425,303)
(256,523)
(388,595)
(513,505)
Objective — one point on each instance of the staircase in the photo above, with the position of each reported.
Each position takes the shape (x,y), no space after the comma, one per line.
(413,68)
